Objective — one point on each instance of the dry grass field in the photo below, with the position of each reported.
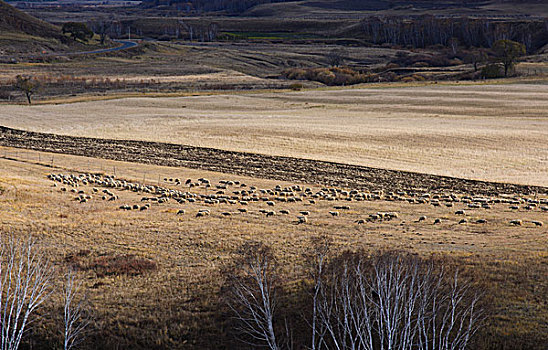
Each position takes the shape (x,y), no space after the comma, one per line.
(177,301)
(488,132)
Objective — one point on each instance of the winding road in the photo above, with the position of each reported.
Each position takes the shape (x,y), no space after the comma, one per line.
(126,44)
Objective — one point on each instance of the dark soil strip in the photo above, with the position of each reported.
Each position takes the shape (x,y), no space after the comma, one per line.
(255,165)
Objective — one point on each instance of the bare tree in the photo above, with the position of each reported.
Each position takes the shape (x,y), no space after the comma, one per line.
(74,316)
(102,26)
(25,283)
(28,85)
(336,57)
(396,303)
(253,298)
(317,259)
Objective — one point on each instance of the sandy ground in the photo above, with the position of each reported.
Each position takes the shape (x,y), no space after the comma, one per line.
(487,132)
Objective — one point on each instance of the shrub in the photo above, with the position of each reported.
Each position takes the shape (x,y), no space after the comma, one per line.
(296,86)
(492,71)
(109,265)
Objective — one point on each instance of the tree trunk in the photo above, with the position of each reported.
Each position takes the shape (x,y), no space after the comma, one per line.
(28,97)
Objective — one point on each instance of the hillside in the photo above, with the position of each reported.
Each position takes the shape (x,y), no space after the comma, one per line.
(13,20)
(22,34)
(350,8)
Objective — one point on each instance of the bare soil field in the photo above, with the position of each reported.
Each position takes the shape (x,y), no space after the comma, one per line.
(177,300)
(494,132)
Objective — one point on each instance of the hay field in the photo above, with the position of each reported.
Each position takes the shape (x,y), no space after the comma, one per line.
(485,132)
(178,301)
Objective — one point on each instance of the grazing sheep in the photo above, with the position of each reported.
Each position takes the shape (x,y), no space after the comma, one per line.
(460,212)
(334,213)
(180,212)
(302,219)
(437,221)
(286,212)
(463,221)
(144,207)
(373,217)
(422,218)
(270,213)
(242,210)
(516,222)
(481,221)
(342,207)
(537,223)
(514,207)
(360,222)
(226,213)
(304,213)
(270,203)
(243,202)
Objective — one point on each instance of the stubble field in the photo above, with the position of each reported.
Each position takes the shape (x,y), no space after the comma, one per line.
(484,132)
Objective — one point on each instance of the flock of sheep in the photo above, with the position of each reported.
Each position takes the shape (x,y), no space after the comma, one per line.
(243,196)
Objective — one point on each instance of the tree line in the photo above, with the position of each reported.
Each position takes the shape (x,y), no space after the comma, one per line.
(428,30)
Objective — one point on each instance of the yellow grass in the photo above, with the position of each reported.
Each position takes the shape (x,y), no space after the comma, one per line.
(190,251)
(494,132)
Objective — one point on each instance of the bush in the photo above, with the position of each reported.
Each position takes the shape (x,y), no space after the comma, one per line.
(111,265)
(296,86)
(492,71)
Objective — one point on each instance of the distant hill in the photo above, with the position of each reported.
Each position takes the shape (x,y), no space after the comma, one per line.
(13,20)
(299,8)
(22,35)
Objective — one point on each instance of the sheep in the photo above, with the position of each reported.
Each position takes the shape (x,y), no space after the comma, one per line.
(304,213)
(226,213)
(181,212)
(463,221)
(286,212)
(373,217)
(514,207)
(422,218)
(537,223)
(242,210)
(460,212)
(302,219)
(437,221)
(342,207)
(334,213)
(270,203)
(270,213)
(481,221)
(144,207)
(516,222)
(360,222)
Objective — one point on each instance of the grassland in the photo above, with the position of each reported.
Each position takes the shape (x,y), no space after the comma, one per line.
(176,305)
(484,132)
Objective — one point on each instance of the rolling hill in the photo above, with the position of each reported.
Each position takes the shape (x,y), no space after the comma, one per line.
(21,33)
(16,21)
